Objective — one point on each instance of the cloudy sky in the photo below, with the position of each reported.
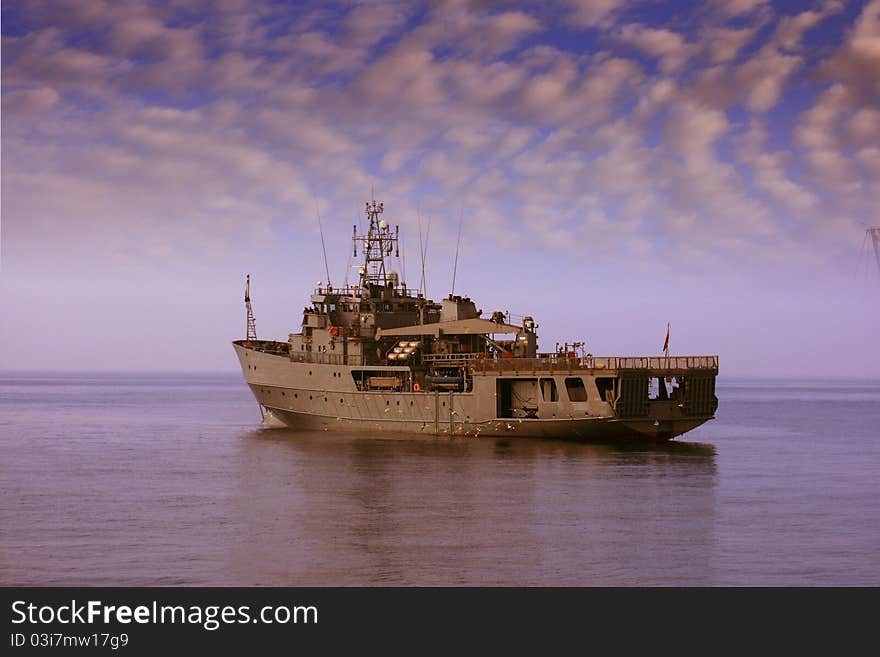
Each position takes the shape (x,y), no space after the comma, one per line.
(615,165)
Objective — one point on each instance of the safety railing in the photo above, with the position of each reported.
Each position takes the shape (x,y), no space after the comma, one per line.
(434,358)
(322,358)
(562,363)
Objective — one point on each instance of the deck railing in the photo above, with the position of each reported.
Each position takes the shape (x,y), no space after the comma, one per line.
(322,358)
(552,363)
(481,362)
(441,358)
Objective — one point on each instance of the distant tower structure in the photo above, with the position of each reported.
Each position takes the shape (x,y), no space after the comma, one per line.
(875,236)
(251,322)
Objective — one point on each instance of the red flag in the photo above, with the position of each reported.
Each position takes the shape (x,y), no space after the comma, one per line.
(666,341)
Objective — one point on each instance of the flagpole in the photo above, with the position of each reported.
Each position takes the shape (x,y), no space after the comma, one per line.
(666,345)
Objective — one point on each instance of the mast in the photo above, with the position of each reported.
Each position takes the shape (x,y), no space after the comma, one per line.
(379,242)
(251,329)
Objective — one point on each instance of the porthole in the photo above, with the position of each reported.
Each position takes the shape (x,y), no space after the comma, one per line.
(295,396)
(310,372)
(325,399)
(341,401)
(410,403)
(310,398)
(387,403)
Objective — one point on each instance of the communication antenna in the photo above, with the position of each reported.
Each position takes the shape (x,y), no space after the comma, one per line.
(423,249)
(251,329)
(379,243)
(323,247)
(403,260)
(457,246)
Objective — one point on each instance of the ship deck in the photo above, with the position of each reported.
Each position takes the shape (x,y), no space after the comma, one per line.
(481,364)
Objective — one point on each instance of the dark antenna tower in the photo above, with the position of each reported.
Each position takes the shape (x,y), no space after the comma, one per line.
(251,328)
(874,233)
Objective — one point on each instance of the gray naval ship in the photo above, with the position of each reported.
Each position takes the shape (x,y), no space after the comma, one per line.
(378,357)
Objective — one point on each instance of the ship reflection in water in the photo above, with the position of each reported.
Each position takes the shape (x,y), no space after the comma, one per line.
(355,509)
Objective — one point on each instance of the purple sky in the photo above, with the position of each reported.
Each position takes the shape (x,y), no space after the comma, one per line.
(618,165)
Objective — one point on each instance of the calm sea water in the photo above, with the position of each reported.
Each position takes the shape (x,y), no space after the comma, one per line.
(168,480)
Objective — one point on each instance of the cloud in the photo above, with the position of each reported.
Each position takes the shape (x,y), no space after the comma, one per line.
(26,101)
(791,29)
(857,61)
(770,171)
(172,127)
(735,8)
(366,24)
(593,13)
(724,44)
(839,132)
(670,48)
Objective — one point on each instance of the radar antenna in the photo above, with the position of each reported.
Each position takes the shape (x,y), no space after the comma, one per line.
(251,330)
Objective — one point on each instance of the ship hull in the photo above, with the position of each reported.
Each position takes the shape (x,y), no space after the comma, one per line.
(592,430)
(324,397)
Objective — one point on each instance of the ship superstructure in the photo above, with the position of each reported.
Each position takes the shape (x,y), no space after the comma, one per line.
(377,356)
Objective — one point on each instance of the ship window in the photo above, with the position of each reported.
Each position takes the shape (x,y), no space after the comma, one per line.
(548,390)
(386,307)
(366,307)
(657,389)
(605,386)
(331,307)
(576,390)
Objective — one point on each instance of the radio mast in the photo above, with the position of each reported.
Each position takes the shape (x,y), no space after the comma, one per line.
(379,243)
